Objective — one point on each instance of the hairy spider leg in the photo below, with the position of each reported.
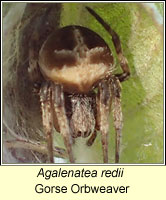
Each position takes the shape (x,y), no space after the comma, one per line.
(103,110)
(117,114)
(59,109)
(92,138)
(47,118)
(116,41)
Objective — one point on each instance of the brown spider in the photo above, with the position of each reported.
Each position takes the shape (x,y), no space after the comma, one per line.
(74,61)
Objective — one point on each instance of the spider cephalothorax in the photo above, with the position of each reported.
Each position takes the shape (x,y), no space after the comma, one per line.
(74,61)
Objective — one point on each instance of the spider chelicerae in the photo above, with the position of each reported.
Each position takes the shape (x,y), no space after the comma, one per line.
(78,85)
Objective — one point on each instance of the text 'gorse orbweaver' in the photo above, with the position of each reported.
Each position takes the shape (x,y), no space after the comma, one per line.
(73,62)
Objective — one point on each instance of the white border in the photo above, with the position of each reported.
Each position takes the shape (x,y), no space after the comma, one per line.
(162,164)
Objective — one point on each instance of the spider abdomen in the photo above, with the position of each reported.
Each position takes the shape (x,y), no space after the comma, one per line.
(75,57)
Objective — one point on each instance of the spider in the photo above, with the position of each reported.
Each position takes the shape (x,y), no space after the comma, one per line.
(78,85)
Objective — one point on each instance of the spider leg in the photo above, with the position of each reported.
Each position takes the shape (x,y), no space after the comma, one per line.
(59,108)
(45,99)
(116,41)
(92,138)
(103,110)
(117,114)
